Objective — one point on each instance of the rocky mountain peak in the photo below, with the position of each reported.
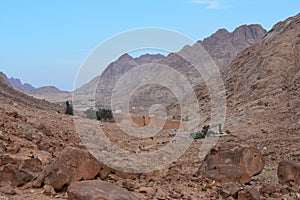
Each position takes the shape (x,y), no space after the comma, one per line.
(250,33)
(124,58)
(223,46)
(220,34)
(149,58)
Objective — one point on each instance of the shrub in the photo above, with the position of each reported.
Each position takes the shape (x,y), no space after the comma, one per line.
(185,119)
(104,114)
(228,132)
(197,135)
(201,135)
(91,113)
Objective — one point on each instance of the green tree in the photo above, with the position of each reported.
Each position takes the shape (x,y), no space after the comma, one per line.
(69,109)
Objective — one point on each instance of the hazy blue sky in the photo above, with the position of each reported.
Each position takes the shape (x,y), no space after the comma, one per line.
(45,42)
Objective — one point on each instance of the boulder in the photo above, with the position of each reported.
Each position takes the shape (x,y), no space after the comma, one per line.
(17,170)
(49,190)
(73,164)
(7,189)
(148,190)
(16,177)
(269,189)
(230,189)
(249,193)
(96,190)
(237,164)
(288,171)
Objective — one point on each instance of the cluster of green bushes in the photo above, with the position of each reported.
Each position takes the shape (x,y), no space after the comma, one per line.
(100,114)
(200,134)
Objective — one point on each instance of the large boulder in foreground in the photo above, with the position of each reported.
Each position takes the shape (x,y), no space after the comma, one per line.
(73,164)
(17,171)
(96,190)
(237,164)
(288,171)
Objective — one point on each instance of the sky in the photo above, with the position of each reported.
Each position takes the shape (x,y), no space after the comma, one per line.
(46,42)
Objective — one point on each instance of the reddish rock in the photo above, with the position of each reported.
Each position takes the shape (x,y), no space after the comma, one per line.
(14,149)
(236,164)
(269,189)
(230,189)
(96,190)
(46,130)
(73,164)
(249,193)
(49,190)
(288,171)
(7,189)
(32,165)
(148,190)
(16,177)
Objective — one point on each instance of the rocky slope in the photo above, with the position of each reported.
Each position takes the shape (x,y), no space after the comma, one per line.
(262,82)
(10,95)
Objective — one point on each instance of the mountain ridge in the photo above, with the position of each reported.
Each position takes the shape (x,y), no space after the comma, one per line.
(27,88)
(223,46)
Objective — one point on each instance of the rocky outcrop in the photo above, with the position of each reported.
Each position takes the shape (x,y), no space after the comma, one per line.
(17,171)
(237,164)
(15,176)
(94,190)
(73,164)
(288,171)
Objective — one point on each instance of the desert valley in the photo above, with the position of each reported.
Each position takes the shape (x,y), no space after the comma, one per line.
(256,157)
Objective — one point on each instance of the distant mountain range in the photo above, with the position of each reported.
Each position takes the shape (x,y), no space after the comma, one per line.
(223,46)
(26,88)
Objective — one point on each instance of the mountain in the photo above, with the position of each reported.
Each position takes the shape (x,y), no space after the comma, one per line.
(8,93)
(104,84)
(18,85)
(262,85)
(26,88)
(46,90)
(263,81)
(222,46)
